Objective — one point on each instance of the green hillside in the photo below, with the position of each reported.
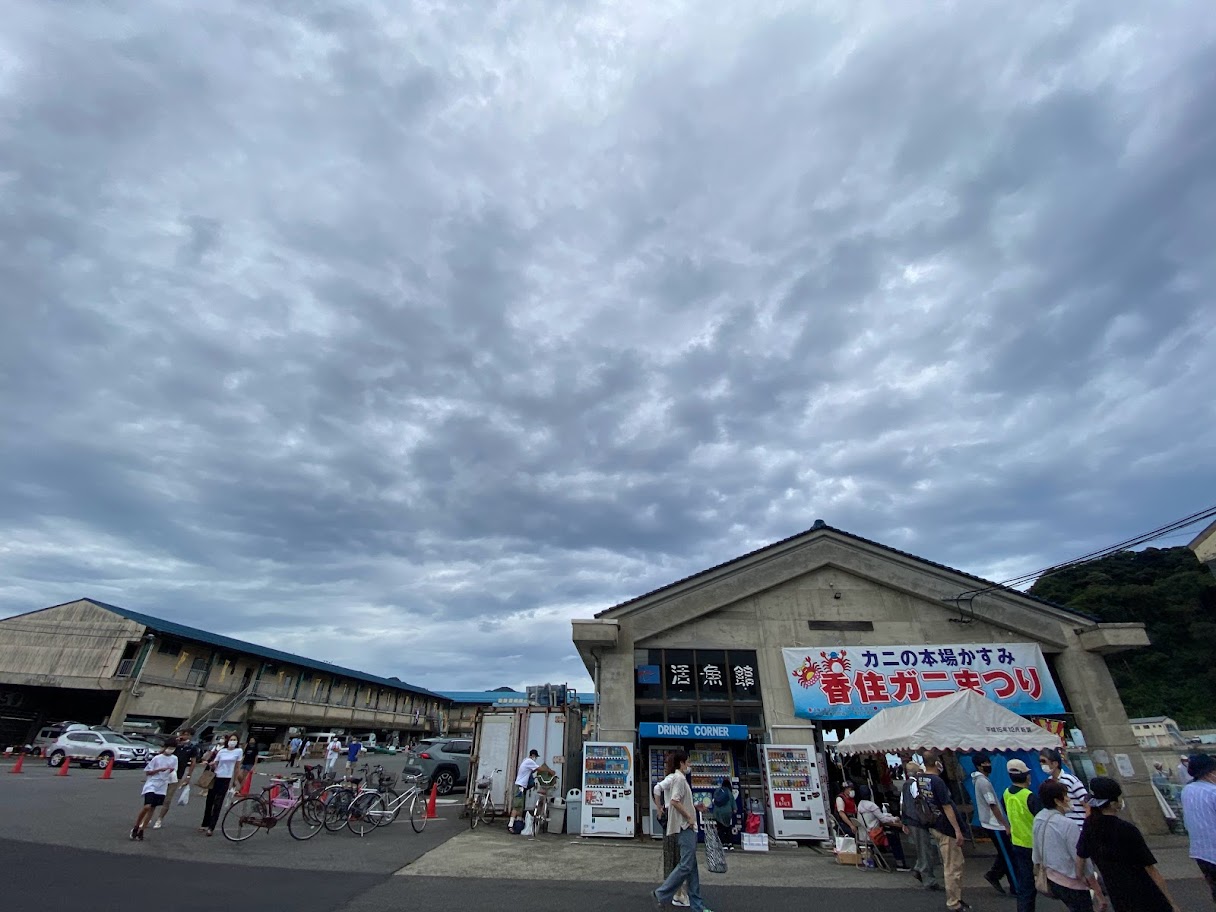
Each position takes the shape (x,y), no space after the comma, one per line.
(1174,595)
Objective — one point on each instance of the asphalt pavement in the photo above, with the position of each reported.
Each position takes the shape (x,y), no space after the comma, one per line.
(65,846)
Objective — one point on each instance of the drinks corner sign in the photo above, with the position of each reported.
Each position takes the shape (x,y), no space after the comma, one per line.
(694,731)
(855,682)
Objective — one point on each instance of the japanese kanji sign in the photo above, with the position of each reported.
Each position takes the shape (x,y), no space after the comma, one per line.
(855,682)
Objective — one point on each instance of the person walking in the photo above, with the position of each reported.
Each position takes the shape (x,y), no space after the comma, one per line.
(1199,814)
(222,763)
(992,819)
(293,750)
(1127,865)
(333,750)
(872,817)
(682,821)
(158,772)
(249,759)
(671,843)
(937,805)
(186,753)
(1051,762)
(525,779)
(1021,806)
(1055,851)
(353,749)
(926,852)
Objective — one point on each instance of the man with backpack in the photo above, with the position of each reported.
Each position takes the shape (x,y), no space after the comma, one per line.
(935,804)
(925,867)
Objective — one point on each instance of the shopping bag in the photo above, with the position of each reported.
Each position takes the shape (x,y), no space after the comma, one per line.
(715,855)
(752,824)
(183,795)
(878,836)
(846,845)
(1040,881)
(527,824)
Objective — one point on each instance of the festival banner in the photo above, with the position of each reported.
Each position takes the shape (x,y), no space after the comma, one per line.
(855,682)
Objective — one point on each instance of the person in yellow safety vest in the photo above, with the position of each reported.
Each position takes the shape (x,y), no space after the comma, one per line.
(1021,805)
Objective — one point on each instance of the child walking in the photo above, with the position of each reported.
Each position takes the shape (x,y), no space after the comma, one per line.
(158,773)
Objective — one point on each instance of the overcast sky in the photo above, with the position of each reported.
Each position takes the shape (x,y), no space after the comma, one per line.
(398,334)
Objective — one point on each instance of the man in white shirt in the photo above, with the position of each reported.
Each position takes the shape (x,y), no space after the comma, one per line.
(525,778)
(682,821)
(158,773)
(333,750)
(992,819)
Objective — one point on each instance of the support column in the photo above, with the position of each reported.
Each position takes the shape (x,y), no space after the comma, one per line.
(617,719)
(1103,720)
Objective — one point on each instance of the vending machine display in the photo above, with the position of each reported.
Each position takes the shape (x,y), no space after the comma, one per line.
(657,757)
(797,808)
(608,798)
(707,768)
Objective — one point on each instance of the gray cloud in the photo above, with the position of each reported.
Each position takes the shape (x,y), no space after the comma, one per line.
(353,329)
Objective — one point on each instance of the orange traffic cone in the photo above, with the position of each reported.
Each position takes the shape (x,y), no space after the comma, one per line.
(247,783)
(63,770)
(17,766)
(430,805)
(109,773)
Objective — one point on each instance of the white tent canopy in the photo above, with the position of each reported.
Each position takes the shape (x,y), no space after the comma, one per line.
(962,721)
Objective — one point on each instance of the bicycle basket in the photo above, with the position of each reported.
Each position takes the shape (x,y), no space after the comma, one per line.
(388,780)
(484,784)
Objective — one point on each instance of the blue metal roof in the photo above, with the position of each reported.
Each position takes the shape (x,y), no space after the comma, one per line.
(214,639)
(508,697)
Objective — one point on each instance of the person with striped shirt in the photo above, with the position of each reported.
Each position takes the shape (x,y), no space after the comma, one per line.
(1052,764)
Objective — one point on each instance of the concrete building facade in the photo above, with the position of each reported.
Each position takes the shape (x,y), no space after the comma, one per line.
(1204,546)
(828,588)
(94,662)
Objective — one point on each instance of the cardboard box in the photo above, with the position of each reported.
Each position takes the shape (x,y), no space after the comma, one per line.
(848,858)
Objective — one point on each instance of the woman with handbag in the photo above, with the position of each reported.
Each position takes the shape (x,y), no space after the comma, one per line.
(882,828)
(221,764)
(671,844)
(1057,870)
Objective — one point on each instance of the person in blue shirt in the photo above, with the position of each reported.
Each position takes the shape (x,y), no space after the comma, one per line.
(352,753)
(1199,814)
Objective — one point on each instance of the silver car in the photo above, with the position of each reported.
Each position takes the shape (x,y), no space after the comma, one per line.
(97,748)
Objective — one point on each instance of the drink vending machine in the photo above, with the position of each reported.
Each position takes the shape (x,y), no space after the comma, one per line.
(797,807)
(608,798)
(707,768)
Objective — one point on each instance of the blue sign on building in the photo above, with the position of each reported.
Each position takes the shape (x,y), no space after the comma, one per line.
(693,731)
(648,674)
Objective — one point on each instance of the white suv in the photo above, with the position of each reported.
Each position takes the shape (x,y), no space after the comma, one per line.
(97,748)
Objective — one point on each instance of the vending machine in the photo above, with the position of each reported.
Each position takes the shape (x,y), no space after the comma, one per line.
(797,808)
(608,798)
(707,768)
(657,756)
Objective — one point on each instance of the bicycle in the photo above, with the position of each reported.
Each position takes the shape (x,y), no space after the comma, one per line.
(371,807)
(540,811)
(482,809)
(283,798)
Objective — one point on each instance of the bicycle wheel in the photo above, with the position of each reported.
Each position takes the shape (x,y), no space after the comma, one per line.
(418,811)
(243,818)
(488,811)
(365,810)
(392,807)
(306,819)
(540,817)
(475,813)
(337,808)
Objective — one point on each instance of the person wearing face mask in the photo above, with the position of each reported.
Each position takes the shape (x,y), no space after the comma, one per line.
(1128,867)
(1021,806)
(186,752)
(992,819)
(223,763)
(1055,852)
(937,806)
(1052,764)
(158,772)
(846,808)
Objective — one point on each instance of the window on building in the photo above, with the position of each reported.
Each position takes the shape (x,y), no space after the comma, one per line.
(169,648)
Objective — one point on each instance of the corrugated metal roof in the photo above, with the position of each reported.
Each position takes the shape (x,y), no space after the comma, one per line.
(172,628)
(821,526)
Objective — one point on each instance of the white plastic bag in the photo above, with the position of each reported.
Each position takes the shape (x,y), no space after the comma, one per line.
(183,795)
(846,845)
(528,831)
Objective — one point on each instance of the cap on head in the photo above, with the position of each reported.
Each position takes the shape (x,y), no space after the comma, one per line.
(1103,790)
(534,753)
(1016,767)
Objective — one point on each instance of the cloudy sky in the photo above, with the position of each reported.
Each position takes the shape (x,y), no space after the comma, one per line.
(399,334)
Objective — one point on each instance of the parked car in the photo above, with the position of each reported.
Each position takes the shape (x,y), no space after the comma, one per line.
(442,761)
(96,747)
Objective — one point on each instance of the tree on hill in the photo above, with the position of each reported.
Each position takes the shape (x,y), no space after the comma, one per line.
(1174,596)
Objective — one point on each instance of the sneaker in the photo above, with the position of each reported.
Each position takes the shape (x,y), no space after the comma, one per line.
(995,882)
(157,825)
(134,833)
(141,835)
(903,868)
(678,901)
(961,907)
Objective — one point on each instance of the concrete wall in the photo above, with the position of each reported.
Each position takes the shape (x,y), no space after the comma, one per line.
(73,645)
(765,602)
